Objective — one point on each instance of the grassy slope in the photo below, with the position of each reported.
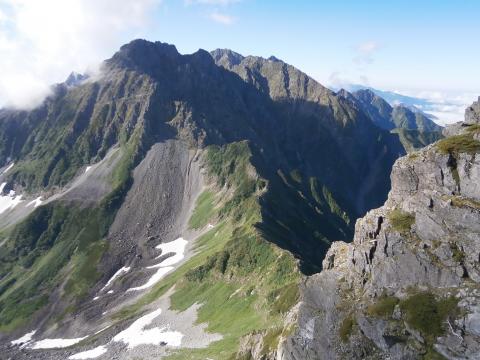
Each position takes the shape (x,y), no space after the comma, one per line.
(244,283)
(42,250)
(71,130)
(204,210)
(416,139)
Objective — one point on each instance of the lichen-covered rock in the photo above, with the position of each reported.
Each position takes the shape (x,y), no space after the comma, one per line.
(407,287)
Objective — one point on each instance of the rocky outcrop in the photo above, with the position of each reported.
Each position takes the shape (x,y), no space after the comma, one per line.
(407,287)
(472,114)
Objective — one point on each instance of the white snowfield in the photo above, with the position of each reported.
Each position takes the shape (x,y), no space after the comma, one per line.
(89,354)
(24,339)
(8,168)
(164,267)
(124,269)
(37,202)
(8,201)
(136,334)
(88,168)
(56,343)
(177,247)
(161,272)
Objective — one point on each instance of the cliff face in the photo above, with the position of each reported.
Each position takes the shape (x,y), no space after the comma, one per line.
(472,114)
(408,285)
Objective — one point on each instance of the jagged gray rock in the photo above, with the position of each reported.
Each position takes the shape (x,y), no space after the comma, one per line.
(424,240)
(472,114)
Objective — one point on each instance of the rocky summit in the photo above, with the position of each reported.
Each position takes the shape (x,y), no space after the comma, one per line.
(203,206)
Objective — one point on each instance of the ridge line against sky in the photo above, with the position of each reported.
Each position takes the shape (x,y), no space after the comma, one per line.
(422,48)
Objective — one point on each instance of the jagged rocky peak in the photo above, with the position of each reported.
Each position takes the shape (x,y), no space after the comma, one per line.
(408,286)
(274,77)
(366,95)
(472,113)
(75,79)
(274,58)
(472,119)
(227,58)
(143,54)
(344,93)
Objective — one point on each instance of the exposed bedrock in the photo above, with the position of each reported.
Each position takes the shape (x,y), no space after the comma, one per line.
(408,285)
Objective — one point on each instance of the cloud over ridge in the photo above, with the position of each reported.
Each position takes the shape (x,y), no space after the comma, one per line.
(42,41)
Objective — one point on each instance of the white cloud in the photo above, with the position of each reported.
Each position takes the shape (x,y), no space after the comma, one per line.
(368,47)
(336,80)
(447,106)
(215,15)
(41,42)
(3,17)
(365,52)
(222,18)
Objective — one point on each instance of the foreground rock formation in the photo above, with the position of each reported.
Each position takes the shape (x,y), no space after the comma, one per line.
(408,285)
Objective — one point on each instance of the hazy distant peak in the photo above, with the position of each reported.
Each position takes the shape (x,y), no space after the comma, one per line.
(75,79)
(273,58)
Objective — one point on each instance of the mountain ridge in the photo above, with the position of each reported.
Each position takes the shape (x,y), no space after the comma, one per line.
(216,179)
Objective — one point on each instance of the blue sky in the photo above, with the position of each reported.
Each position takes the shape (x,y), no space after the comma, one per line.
(394,44)
(422,47)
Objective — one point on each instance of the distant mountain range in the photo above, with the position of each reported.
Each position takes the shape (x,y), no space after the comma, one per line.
(442,107)
(414,128)
(393,98)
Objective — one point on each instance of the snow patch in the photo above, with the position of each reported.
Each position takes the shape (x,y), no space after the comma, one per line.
(56,343)
(164,267)
(8,168)
(110,292)
(8,201)
(89,354)
(88,168)
(37,202)
(136,334)
(210,226)
(24,339)
(117,274)
(161,272)
(175,246)
(96,298)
